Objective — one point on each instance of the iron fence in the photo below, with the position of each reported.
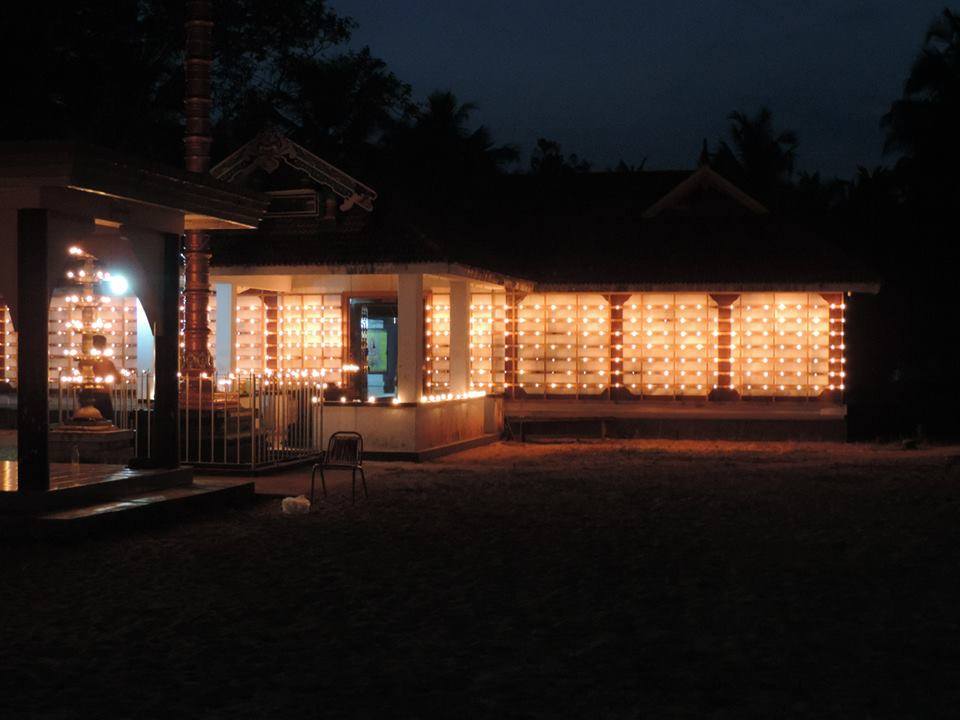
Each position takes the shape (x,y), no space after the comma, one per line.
(232,422)
(255,421)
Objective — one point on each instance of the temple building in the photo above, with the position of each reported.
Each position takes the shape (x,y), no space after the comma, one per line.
(626,304)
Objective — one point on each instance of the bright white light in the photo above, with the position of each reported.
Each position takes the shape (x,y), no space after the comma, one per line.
(119,285)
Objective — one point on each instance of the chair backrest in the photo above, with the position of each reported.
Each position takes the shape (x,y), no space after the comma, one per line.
(344,448)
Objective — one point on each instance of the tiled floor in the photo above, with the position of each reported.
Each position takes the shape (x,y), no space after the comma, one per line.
(65,475)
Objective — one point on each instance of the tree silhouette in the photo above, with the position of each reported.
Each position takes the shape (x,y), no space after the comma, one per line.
(761,159)
(548,159)
(112,73)
(441,152)
(341,107)
(924,124)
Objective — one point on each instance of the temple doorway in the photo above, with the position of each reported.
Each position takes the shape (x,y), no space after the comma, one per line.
(373,343)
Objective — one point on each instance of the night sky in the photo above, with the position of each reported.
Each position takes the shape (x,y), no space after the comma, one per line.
(626,78)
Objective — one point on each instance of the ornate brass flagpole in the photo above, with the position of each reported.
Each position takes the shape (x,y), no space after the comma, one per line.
(196,140)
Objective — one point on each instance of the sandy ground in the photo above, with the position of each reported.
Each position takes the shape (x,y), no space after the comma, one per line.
(614,579)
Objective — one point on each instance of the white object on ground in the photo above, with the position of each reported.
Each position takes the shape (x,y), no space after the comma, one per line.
(295,505)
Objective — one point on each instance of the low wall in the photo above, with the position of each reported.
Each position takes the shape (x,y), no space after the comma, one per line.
(417,431)
(736,420)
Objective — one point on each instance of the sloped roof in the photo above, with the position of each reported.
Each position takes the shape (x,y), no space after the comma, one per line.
(109,173)
(704,178)
(582,230)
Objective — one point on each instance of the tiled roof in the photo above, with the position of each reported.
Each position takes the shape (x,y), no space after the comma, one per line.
(579,229)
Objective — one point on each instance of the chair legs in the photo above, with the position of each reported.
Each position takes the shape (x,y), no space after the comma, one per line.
(323,481)
(353,484)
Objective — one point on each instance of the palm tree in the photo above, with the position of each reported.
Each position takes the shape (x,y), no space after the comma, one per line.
(761,158)
(442,126)
(438,152)
(924,123)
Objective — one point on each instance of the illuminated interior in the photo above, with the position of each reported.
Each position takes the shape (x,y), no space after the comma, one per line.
(647,344)
(289,331)
(566,345)
(119,318)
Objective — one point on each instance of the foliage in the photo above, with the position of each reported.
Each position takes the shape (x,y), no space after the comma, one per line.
(760,159)
(111,73)
(923,124)
(439,150)
(548,159)
(341,107)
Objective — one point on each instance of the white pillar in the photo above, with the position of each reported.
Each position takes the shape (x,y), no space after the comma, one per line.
(459,336)
(225,340)
(409,337)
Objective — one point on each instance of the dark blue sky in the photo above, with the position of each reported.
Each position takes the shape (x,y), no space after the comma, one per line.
(627,79)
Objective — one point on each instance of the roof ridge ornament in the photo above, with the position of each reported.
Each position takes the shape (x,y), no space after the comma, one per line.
(271,147)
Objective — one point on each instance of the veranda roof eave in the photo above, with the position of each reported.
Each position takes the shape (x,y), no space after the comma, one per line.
(866,287)
(205,201)
(392,268)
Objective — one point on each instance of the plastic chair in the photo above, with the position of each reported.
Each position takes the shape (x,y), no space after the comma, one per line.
(344,452)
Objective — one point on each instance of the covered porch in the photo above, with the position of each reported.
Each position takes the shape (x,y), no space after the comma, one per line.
(55,198)
(391,348)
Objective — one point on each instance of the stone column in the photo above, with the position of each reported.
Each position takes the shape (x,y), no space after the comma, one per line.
(724,386)
(459,336)
(410,337)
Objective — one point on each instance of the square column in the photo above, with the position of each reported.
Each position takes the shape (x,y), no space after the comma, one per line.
(165,450)
(459,336)
(409,336)
(724,387)
(33,309)
(226,332)
(617,390)
(837,371)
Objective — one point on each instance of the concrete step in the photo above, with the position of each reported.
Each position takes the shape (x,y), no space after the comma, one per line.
(71,487)
(134,510)
(85,484)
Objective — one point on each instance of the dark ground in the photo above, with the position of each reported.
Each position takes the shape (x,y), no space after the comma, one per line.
(655,579)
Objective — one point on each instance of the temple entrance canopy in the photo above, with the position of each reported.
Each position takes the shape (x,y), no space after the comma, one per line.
(131,215)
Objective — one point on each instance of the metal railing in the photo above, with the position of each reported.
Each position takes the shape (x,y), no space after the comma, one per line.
(234,422)
(254,421)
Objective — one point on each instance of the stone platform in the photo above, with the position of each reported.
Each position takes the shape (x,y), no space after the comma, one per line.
(109,444)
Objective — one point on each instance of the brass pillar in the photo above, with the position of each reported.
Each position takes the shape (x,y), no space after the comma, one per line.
(196,141)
